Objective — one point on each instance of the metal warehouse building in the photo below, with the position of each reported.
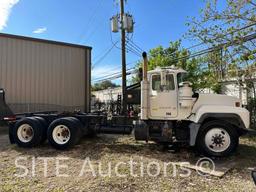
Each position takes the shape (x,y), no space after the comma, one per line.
(42,75)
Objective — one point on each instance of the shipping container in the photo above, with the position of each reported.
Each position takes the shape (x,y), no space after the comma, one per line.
(43,75)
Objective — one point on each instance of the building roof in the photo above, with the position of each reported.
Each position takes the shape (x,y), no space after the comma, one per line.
(43,40)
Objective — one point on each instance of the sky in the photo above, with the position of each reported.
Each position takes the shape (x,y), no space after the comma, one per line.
(87,22)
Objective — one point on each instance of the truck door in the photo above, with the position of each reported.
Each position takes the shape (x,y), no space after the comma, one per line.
(163,96)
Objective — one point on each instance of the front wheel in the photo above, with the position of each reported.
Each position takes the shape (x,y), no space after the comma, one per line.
(216,138)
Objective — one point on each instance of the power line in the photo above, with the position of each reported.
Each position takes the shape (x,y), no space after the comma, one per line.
(90,35)
(134,47)
(104,56)
(110,75)
(111,38)
(229,33)
(234,31)
(102,52)
(128,49)
(132,43)
(91,19)
(218,47)
(205,51)
(116,76)
(117,68)
(132,50)
(227,22)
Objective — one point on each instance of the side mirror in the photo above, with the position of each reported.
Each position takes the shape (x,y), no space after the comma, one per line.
(254,176)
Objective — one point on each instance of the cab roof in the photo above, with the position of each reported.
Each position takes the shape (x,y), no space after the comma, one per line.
(170,69)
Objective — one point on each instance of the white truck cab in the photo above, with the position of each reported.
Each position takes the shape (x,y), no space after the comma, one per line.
(172,113)
(169,97)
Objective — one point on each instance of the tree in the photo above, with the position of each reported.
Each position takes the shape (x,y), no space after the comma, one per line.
(175,55)
(231,30)
(103,85)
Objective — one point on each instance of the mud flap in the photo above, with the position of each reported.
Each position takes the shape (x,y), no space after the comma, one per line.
(141,131)
(194,128)
(11,138)
(4,108)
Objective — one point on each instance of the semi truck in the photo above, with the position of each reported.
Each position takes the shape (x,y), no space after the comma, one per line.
(170,114)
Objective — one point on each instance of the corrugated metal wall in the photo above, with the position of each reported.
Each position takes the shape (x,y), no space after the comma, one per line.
(43,75)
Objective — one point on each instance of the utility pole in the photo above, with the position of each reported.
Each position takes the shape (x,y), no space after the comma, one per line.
(125,22)
(123,42)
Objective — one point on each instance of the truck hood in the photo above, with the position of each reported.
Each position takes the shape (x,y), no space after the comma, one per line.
(214,99)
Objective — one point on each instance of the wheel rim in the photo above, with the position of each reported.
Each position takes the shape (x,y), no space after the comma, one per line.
(217,140)
(25,133)
(61,134)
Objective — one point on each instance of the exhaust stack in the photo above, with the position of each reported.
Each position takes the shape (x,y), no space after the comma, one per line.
(145,66)
(144,89)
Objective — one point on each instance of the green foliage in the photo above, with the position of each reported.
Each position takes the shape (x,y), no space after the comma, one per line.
(198,74)
(227,28)
(103,85)
(219,28)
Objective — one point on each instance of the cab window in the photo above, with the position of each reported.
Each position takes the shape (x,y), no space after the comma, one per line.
(156,82)
(181,77)
(170,82)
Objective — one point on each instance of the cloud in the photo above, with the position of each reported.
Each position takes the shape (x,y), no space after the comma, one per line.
(5,10)
(40,30)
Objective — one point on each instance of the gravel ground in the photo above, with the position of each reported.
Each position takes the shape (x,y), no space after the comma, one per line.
(95,155)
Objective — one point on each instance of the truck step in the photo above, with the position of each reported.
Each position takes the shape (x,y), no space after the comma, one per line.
(122,130)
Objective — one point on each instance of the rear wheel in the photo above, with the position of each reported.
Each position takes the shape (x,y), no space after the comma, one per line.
(64,133)
(216,138)
(44,125)
(27,132)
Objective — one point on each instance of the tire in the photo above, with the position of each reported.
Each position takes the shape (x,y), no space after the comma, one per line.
(217,139)
(44,126)
(64,133)
(81,129)
(27,132)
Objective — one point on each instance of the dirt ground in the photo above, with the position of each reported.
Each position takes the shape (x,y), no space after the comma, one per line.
(112,149)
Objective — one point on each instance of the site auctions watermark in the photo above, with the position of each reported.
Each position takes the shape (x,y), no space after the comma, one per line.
(60,167)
